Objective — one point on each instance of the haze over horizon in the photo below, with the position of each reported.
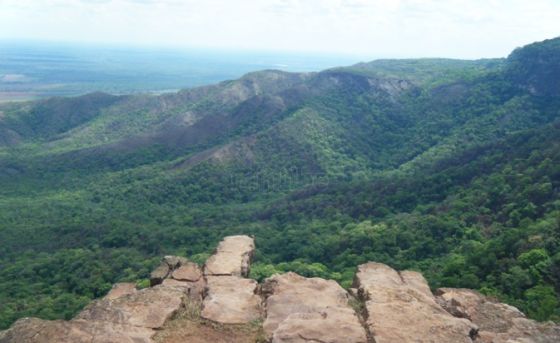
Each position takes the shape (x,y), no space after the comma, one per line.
(369,29)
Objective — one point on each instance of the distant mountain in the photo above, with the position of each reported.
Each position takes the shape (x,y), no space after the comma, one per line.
(536,67)
(449,167)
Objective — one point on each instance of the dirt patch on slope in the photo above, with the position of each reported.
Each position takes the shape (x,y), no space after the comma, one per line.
(187,326)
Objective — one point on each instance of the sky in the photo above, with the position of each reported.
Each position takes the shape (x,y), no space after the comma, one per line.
(367,28)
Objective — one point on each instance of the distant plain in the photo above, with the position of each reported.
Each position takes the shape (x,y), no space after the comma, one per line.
(34,70)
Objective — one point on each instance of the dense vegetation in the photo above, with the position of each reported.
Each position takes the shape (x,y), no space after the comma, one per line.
(447,167)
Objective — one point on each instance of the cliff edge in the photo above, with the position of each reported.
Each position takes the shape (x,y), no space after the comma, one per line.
(219,304)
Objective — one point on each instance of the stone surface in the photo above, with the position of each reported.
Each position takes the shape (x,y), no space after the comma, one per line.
(401,308)
(231,300)
(159,274)
(193,290)
(497,322)
(232,257)
(395,307)
(187,272)
(166,267)
(121,289)
(175,262)
(334,325)
(149,308)
(33,330)
(185,329)
(300,309)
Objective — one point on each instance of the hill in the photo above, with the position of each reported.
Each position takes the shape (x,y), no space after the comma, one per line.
(447,167)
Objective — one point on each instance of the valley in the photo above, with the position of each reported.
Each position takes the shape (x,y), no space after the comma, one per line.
(447,167)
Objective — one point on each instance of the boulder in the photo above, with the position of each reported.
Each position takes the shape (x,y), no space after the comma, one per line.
(231,300)
(232,257)
(300,309)
(497,322)
(401,308)
(121,289)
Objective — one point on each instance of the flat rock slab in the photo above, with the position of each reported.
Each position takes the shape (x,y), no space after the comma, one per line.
(148,308)
(231,300)
(33,330)
(333,325)
(193,289)
(497,322)
(401,309)
(300,309)
(120,290)
(187,272)
(232,257)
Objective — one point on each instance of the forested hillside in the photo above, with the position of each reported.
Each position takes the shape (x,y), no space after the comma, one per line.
(448,167)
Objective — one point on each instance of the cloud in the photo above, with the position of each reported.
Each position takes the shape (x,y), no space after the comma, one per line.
(372,28)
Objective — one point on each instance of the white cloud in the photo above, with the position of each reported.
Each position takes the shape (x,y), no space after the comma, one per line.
(373,28)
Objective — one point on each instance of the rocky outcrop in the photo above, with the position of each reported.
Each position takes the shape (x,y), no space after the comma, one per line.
(497,322)
(126,318)
(229,297)
(165,269)
(232,257)
(174,271)
(218,304)
(334,325)
(187,272)
(124,315)
(300,309)
(231,300)
(120,290)
(150,308)
(401,308)
(33,330)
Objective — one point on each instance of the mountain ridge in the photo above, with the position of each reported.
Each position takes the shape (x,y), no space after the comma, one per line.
(452,171)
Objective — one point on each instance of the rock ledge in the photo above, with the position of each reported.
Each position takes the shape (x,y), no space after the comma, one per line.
(219,304)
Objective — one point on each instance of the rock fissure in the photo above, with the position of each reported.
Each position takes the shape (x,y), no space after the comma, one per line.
(311,340)
(362,316)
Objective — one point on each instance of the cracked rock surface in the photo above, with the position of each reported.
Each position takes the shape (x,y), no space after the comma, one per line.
(229,297)
(497,322)
(331,324)
(231,300)
(232,257)
(219,304)
(401,308)
(300,309)
(124,315)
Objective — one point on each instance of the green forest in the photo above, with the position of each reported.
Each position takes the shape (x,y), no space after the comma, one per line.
(448,167)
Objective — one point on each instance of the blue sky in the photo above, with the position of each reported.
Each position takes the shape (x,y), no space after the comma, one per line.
(367,28)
